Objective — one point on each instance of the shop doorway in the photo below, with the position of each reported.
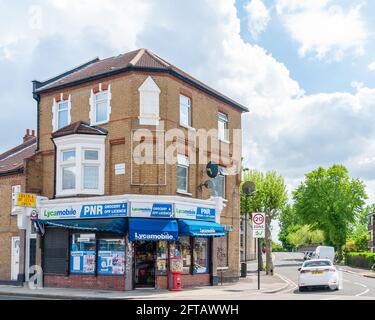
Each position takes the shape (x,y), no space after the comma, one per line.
(145,261)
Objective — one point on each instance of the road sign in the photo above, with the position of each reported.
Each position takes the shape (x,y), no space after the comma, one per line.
(26,200)
(259,225)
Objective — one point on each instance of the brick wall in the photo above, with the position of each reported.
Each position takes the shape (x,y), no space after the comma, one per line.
(186,281)
(8,224)
(124,119)
(85,282)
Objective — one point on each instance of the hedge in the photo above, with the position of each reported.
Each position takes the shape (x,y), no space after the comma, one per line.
(360,259)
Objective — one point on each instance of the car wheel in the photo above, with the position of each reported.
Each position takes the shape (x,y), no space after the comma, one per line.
(301,289)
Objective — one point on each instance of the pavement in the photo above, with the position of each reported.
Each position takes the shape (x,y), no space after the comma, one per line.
(245,286)
(356,284)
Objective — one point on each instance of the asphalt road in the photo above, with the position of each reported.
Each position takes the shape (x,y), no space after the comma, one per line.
(355,286)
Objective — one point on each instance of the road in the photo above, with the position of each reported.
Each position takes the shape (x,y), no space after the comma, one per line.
(356,286)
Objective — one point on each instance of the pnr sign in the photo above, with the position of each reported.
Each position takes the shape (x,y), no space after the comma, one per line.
(259,225)
(104,210)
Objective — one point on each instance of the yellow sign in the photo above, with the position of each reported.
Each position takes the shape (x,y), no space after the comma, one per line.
(26,200)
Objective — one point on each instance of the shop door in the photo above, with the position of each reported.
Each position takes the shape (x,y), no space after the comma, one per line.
(15,268)
(145,260)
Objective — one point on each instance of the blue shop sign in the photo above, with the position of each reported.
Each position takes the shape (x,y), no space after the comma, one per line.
(206,214)
(161,210)
(104,210)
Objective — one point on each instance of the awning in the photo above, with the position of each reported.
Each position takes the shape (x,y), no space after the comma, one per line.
(197,228)
(153,229)
(116,225)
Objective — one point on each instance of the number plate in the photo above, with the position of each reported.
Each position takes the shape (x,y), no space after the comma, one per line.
(317,272)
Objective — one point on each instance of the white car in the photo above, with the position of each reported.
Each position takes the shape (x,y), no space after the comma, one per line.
(319,273)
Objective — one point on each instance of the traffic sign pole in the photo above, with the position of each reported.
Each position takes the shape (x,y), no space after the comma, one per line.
(259,257)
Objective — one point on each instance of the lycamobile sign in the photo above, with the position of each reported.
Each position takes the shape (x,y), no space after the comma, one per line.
(150,237)
(60,213)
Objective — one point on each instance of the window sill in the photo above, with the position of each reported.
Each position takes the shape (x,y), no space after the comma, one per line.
(99,123)
(145,120)
(184,193)
(74,193)
(188,127)
(224,141)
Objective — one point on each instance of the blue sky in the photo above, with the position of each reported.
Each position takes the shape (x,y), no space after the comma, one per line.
(305,68)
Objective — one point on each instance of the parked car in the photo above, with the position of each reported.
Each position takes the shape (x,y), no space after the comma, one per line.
(318,273)
(324,252)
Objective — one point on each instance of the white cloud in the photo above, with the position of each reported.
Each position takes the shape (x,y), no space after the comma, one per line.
(371,66)
(325,30)
(286,130)
(258,17)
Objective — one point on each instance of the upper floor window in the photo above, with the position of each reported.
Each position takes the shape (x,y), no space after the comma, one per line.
(61,113)
(149,103)
(100,106)
(80,165)
(15,191)
(223,127)
(218,189)
(182,174)
(185,111)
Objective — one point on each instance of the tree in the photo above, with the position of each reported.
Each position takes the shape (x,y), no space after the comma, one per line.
(330,201)
(303,235)
(270,197)
(288,222)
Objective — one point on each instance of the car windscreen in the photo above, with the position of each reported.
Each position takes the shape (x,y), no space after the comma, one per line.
(317,264)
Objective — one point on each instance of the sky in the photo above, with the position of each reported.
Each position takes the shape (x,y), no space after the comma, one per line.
(306,69)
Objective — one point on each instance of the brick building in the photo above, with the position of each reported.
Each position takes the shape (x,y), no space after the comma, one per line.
(113,220)
(13,180)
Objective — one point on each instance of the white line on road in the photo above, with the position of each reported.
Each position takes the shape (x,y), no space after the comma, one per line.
(362,293)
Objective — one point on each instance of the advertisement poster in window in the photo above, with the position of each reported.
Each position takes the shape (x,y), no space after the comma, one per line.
(83,254)
(111,257)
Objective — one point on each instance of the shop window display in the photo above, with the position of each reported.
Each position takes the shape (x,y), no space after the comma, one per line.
(83,254)
(111,256)
(201,262)
(185,250)
(162,254)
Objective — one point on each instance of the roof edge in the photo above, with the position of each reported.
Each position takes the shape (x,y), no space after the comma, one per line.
(133,68)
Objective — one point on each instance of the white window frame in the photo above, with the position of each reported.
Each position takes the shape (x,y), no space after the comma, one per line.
(55,111)
(190,119)
(80,143)
(93,102)
(183,162)
(16,189)
(149,93)
(222,173)
(223,118)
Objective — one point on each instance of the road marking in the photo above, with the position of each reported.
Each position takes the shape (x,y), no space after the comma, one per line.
(288,281)
(362,293)
(361,285)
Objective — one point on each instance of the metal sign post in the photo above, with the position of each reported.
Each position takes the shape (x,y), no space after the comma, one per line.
(259,232)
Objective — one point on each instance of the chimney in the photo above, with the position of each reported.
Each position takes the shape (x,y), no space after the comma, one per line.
(28,135)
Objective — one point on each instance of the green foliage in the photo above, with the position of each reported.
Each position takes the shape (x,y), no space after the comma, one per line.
(359,240)
(303,235)
(330,201)
(288,222)
(360,259)
(276,247)
(270,196)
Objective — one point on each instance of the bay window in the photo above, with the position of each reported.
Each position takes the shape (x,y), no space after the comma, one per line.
(80,165)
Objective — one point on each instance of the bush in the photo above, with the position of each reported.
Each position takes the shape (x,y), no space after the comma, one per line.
(276,247)
(360,259)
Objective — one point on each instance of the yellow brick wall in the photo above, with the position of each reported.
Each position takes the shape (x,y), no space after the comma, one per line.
(124,119)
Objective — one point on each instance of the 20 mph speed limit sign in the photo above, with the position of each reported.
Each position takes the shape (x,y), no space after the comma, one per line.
(259,225)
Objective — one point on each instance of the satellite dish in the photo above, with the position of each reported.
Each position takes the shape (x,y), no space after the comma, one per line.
(212,169)
(248,188)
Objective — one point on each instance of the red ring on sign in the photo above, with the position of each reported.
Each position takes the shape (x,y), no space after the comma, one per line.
(255,216)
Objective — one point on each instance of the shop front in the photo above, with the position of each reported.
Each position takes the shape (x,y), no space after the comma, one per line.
(126,245)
